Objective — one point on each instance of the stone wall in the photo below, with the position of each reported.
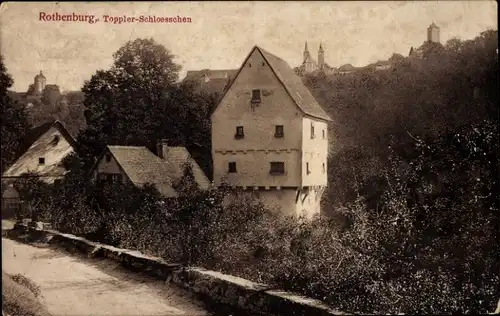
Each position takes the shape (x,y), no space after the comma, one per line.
(218,287)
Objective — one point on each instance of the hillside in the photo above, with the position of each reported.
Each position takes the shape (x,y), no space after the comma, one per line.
(66,107)
(441,89)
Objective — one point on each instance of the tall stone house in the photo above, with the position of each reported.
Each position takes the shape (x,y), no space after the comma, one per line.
(270,138)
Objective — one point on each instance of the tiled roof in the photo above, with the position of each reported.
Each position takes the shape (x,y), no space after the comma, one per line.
(218,79)
(142,166)
(347,67)
(294,85)
(212,74)
(177,157)
(40,144)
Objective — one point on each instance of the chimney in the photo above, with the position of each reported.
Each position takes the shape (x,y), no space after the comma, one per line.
(162,148)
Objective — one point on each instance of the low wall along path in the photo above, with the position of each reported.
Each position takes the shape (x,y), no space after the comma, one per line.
(218,287)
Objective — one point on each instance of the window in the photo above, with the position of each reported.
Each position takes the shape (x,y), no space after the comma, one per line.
(108,157)
(13,206)
(278,133)
(307,168)
(277,167)
(324,168)
(109,177)
(41,161)
(239,132)
(324,134)
(312,131)
(55,140)
(232,167)
(255,96)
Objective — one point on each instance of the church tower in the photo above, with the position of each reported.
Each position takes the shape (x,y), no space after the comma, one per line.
(321,57)
(40,82)
(433,33)
(306,52)
(309,64)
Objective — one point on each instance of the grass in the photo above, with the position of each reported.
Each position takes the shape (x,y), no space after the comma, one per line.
(19,297)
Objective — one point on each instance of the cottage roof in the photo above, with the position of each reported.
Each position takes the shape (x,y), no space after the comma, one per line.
(211,73)
(292,83)
(294,86)
(39,143)
(347,67)
(142,166)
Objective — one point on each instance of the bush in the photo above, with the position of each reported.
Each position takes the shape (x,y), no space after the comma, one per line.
(427,246)
(19,297)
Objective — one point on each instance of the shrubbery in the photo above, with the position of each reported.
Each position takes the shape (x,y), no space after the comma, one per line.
(429,246)
(414,190)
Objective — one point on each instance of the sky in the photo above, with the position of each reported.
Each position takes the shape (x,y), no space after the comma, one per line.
(221,34)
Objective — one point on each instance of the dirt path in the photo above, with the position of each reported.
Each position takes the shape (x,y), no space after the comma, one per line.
(73,285)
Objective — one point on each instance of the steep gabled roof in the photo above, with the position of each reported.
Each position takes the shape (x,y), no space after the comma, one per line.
(142,166)
(39,144)
(211,73)
(177,157)
(347,67)
(292,83)
(36,132)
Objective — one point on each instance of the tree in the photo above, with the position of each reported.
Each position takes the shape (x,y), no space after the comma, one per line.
(136,102)
(396,58)
(14,120)
(51,96)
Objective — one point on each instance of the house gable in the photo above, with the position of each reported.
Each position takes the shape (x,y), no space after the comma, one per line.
(107,163)
(287,78)
(45,155)
(255,73)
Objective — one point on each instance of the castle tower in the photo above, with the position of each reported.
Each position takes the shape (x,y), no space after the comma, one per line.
(40,82)
(433,33)
(321,57)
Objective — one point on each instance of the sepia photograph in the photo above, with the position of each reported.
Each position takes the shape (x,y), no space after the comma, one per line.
(250,158)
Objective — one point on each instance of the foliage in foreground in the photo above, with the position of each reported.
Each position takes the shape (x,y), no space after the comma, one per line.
(14,120)
(420,236)
(19,297)
(429,246)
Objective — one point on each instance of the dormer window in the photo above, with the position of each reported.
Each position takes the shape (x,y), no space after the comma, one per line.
(41,161)
(256,96)
(239,132)
(279,133)
(55,140)
(312,131)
